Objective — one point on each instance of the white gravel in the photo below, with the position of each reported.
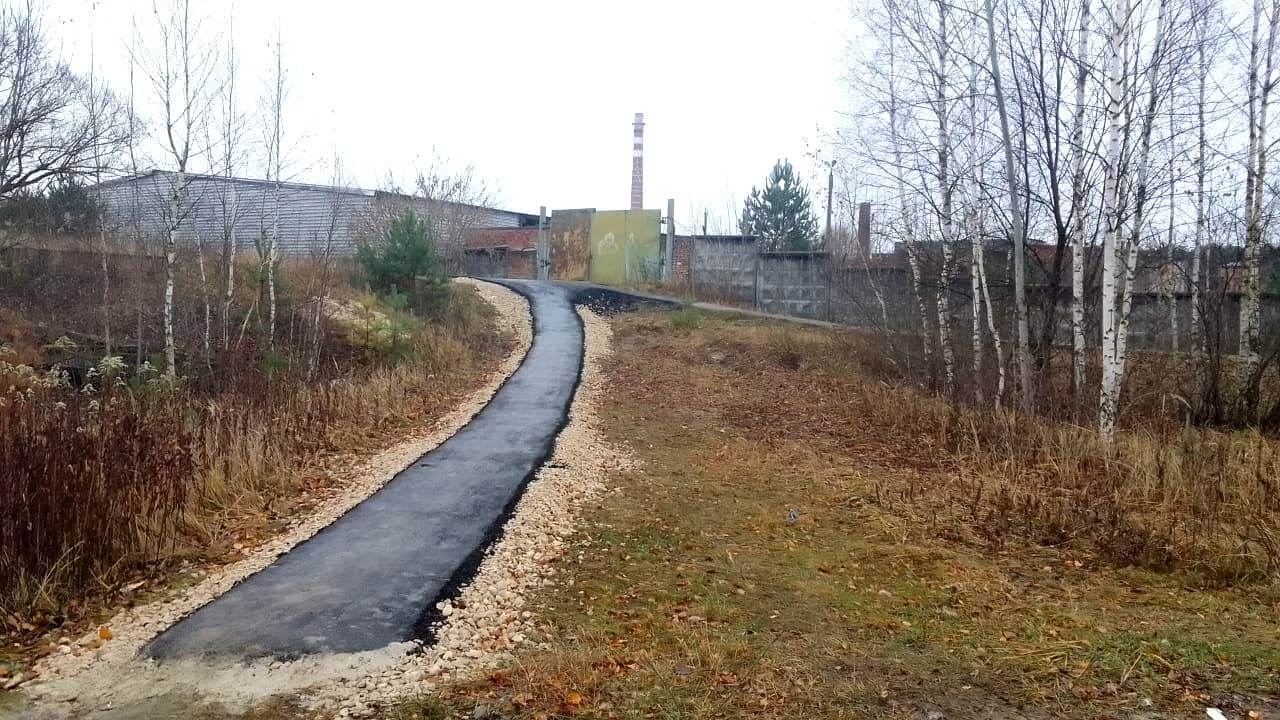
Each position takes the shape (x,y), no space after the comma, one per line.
(488,620)
(481,627)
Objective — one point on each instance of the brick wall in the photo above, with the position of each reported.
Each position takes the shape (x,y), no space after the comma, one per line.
(523,265)
(502,252)
(681,256)
(516,238)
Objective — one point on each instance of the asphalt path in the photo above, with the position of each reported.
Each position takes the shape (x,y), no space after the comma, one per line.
(373,577)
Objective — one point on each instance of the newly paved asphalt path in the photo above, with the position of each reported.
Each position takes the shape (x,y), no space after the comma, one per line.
(373,576)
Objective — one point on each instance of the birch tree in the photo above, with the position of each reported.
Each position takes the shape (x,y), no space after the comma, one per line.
(179,69)
(1120,253)
(946,219)
(973,227)
(273,120)
(1116,88)
(1199,342)
(1079,154)
(1018,226)
(231,125)
(898,164)
(1260,83)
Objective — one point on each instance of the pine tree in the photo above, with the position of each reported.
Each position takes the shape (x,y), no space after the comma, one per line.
(405,261)
(779,216)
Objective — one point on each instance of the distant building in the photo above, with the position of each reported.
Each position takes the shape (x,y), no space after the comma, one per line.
(310,215)
(509,252)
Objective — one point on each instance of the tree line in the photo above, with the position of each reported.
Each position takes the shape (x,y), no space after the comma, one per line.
(1080,139)
(184,111)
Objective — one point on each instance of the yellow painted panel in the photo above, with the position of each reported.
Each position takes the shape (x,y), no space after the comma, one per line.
(625,247)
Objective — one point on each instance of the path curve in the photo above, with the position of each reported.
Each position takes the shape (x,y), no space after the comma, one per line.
(372,577)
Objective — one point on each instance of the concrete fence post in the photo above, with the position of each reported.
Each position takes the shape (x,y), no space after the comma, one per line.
(668,270)
(755,283)
(829,272)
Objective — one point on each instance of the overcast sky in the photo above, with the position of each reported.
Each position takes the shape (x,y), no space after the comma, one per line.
(538,96)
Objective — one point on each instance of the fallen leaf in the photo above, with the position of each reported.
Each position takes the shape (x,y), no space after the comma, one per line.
(574,698)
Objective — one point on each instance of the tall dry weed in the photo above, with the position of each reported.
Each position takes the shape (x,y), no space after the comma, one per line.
(121,472)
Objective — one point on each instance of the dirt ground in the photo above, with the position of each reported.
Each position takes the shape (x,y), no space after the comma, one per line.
(766,560)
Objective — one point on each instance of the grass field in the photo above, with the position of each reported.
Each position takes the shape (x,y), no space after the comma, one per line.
(786,550)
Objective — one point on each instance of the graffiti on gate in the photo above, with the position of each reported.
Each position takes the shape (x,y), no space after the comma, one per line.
(570,232)
(625,247)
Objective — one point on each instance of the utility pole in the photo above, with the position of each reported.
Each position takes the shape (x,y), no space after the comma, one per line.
(831,174)
(826,239)
(543,254)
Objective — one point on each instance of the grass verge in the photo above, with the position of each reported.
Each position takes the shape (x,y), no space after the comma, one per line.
(796,544)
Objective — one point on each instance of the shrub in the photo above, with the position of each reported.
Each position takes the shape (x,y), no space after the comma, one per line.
(87,477)
(686,318)
(404,261)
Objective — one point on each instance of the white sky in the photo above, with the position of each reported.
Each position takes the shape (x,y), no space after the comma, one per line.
(538,96)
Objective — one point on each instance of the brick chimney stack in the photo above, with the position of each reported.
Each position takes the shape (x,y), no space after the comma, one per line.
(864,229)
(637,164)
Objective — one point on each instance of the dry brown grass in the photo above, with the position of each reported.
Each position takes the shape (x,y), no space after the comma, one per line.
(121,483)
(697,593)
(1163,495)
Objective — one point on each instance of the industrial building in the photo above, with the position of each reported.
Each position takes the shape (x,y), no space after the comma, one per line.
(310,216)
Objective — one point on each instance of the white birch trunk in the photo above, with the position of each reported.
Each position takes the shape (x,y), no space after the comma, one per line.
(270,265)
(946,222)
(909,243)
(206,339)
(170,259)
(991,325)
(1200,342)
(1017,256)
(277,172)
(229,250)
(1078,210)
(1250,301)
(974,230)
(1109,396)
(975,289)
(1126,272)
(231,129)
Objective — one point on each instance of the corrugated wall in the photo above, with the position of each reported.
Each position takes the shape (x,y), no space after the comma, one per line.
(309,214)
